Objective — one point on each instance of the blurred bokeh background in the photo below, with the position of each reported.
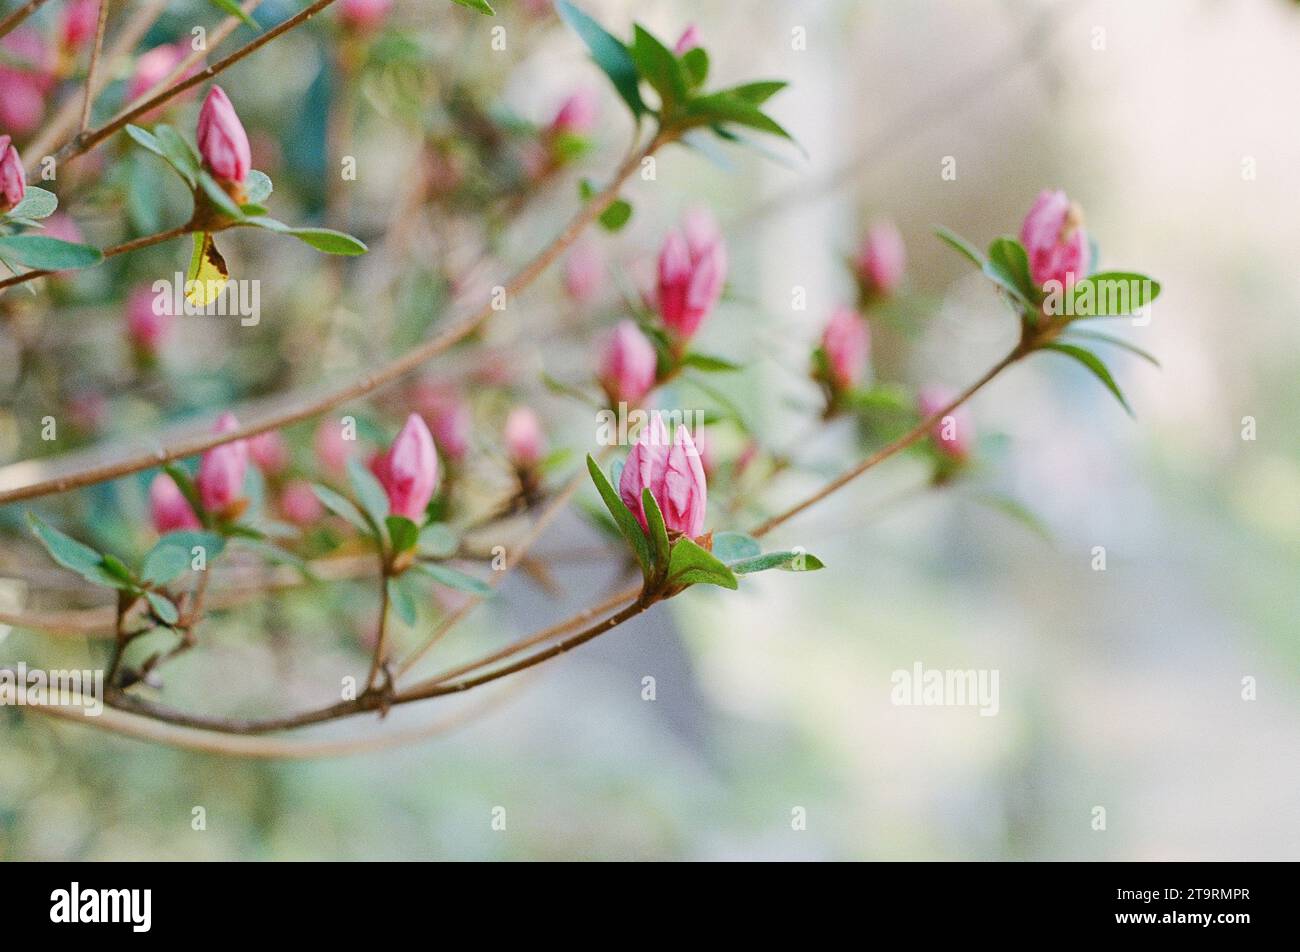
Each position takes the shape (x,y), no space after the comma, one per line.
(1172,123)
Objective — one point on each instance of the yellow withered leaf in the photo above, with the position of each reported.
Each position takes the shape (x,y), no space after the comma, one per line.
(207,275)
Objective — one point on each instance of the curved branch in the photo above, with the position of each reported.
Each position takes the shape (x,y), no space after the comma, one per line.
(18,16)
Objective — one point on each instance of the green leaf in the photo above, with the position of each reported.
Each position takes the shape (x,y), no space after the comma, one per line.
(437,540)
(174,552)
(71,554)
(726,107)
(689,564)
(44,253)
(1077,332)
(610,55)
(627,523)
(1093,363)
(1112,294)
(257,187)
(371,495)
(178,152)
(660,68)
(163,608)
(341,506)
(37,203)
(658,533)
(961,246)
(709,364)
(1017,511)
(1008,267)
(403,532)
(322,239)
(480,5)
(758,92)
(733,546)
(452,578)
(788,561)
(234,9)
(217,195)
(273,553)
(191,492)
(616,216)
(402,599)
(695,62)
(117,568)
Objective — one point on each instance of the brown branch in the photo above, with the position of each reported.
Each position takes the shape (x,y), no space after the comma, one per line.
(135,244)
(88,98)
(18,16)
(381,377)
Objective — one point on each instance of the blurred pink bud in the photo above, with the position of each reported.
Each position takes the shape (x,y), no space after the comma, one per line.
(331,448)
(26,77)
(672,472)
(168,506)
(704,444)
(298,503)
(577,114)
(88,410)
(269,451)
(583,271)
(409,471)
(525,442)
(883,258)
(954,433)
(692,271)
(847,344)
(155,66)
(689,40)
(364,15)
(78,24)
(13,180)
(1055,239)
(448,416)
(628,364)
(747,456)
(61,225)
(223,144)
(222,470)
(148,319)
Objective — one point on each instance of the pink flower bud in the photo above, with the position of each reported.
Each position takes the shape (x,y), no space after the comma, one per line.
(882,259)
(409,471)
(168,506)
(221,472)
(692,271)
(364,15)
(26,78)
(78,24)
(1055,240)
(525,442)
(331,448)
(583,271)
(448,416)
(155,66)
(269,451)
(298,503)
(688,41)
(954,433)
(628,365)
(223,144)
(577,114)
(13,180)
(847,344)
(672,472)
(148,319)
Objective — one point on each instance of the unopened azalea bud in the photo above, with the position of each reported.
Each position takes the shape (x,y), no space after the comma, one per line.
(525,442)
(221,473)
(628,365)
(168,506)
(449,418)
(692,271)
(26,78)
(847,344)
(577,114)
(363,15)
(155,66)
(148,320)
(1055,240)
(78,23)
(13,181)
(953,433)
(673,473)
(269,451)
(689,40)
(882,259)
(331,448)
(223,144)
(409,470)
(583,270)
(298,503)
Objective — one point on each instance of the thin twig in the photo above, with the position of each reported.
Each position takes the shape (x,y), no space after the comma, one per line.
(88,98)
(18,16)
(135,244)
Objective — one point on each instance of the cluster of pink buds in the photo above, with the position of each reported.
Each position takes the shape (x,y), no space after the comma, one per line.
(1055,240)
(692,272)
(13,180)
(881,261)
(223,144)
(409,470)
(221,474)
(77,25)
(670,467)
(27,75)
(269,452)
(954,433)
(364,16)
(846,344)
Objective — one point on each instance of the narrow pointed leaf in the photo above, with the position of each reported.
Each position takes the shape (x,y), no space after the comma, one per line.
(627,523)
(1094,364)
